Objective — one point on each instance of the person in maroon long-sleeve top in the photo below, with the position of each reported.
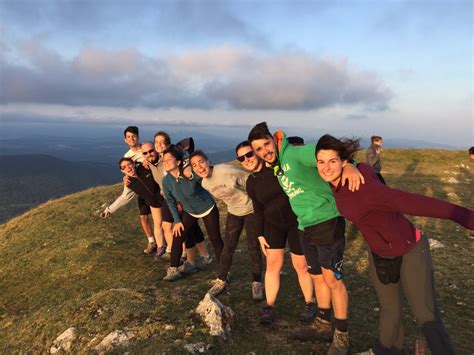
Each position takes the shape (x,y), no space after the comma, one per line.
(400,256)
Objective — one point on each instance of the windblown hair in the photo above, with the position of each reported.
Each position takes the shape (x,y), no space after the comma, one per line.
(198,153)
(122,160)
(259,131)
(375,139)
(131,129)
(165,135)
(346,148)
(174,151)
(241,145)
(471,150)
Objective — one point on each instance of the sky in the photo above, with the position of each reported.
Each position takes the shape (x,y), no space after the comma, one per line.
(400,69)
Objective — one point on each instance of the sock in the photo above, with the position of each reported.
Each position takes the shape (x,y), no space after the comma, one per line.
(325,314)
(341,324)
(151,239)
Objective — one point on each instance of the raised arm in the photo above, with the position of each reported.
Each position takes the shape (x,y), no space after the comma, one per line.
(126,196)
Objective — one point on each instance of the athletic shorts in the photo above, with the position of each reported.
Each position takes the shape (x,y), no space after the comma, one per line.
(329,256)
(166,215)
(277,237)
(143,207)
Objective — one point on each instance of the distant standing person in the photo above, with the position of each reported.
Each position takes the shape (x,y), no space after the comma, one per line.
(373,156)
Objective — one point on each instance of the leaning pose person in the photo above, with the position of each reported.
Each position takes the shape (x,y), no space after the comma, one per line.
(227,183)
(399,256)
(276,226)
(180,186)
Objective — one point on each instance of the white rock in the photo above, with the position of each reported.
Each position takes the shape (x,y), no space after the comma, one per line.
(115,339)
(218,318)
(64,341)
(376,309)
(435,244)
(461,304)
(198,348)
(453,180)
(170,327)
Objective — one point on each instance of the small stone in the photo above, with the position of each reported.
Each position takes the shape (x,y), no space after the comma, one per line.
(197,348)
(460,303)
(453,287)
(376,309)
(169,327)
(64,341)
(435,244)
(115,339)
(218,318)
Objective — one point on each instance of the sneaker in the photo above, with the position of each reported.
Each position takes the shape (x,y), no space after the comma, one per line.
(166,256)
(257,291)
(206,260)
(172,274)
(268,315)
(340,343)
(218,287)
(187,268)
(160,251)
(309,312)
(150,248)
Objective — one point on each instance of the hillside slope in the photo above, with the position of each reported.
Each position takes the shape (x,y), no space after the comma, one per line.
(62,266)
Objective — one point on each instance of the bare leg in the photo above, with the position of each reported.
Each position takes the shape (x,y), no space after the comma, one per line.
(158,233)
(275,259)
(304,279)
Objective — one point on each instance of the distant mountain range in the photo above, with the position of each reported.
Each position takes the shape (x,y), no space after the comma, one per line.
(27,180)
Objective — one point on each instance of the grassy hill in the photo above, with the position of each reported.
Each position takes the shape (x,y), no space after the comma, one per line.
(62,266)
(27,180)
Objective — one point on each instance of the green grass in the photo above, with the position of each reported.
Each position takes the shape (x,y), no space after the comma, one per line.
(61,266)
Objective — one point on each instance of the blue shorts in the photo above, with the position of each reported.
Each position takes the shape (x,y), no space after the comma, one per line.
(328,254)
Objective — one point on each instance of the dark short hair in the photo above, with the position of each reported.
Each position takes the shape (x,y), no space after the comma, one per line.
(124,159)
(241,145)
(259,131)
(295,140)
(346,148)
(165,135)
(375,138)
(174,151)
(131,129)
(198,153)
(471,150)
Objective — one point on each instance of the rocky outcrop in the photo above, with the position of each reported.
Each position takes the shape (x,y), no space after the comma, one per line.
(218,318)
(64,341)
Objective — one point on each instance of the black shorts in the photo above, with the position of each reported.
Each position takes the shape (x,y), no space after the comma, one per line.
(166,215)
(277,237)
(317,253)
(143,207)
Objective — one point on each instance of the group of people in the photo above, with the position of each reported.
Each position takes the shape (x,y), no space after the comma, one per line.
(296,195)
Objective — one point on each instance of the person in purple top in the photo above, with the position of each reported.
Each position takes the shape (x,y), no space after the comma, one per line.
(399,256)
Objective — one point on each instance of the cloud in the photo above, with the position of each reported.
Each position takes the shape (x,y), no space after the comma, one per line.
(223,77)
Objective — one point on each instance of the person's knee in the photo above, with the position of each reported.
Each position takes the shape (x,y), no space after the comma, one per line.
(144,217)
(274,263)
(331,280)
(300,266)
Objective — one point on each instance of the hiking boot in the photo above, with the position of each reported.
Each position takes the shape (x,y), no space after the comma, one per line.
(268,315)
(187,268)
(160,251)
(257,291)
(340,343)
(309,312)
(172,274)
(150,248)
(322,328)
(218,287)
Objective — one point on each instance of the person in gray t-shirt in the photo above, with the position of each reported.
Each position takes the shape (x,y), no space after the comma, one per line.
(227,183)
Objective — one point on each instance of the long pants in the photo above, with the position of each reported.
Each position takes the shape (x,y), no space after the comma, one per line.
(417,282)
(233,229)
(211,221)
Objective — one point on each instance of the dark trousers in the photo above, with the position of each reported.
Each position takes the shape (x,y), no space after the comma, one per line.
(233,229)
(211,221)
(417,282)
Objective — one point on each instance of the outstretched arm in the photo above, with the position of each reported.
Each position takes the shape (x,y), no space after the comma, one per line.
(126,196)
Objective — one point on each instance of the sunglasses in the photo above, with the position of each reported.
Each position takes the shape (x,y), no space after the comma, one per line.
(149,152)
(246,155)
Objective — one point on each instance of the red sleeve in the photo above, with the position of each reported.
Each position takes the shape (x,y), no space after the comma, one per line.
(382,197)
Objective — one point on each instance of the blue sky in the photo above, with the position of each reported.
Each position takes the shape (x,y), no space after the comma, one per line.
(401,69)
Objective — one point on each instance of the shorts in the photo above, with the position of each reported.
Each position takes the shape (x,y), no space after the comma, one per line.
(277,237)
(329,256)
(166,215)
(143,207)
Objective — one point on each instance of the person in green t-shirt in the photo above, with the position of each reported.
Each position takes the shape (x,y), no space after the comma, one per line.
(320,224)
